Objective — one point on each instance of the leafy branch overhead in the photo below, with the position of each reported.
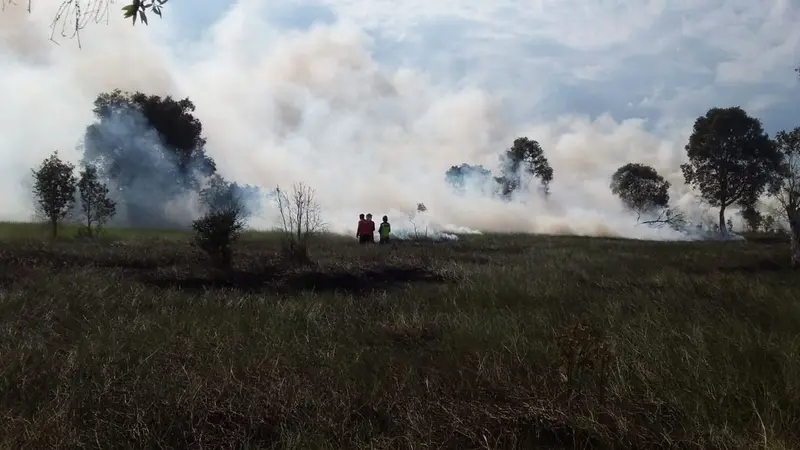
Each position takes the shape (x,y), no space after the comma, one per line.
(139,8)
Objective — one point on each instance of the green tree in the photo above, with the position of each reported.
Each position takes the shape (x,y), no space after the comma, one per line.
(54,189)
(785,188)
(731,159)
(752,217)
(523,160)
(217,231)
(96,208)
(149,149)
(640,188)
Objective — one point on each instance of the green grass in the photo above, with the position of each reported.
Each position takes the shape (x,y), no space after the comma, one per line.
(489,342)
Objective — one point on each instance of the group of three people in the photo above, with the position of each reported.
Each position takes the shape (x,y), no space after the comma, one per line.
(366,230)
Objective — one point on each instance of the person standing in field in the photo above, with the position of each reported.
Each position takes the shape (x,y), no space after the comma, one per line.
(384,230)
(361,231)
(370,228)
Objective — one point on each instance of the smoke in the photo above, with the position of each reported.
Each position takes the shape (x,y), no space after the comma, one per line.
(315,107)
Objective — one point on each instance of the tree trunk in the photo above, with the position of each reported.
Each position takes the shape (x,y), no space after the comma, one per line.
(794,230)
(722,228)
(54,224)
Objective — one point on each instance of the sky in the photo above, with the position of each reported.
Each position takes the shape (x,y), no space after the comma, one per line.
(370,102)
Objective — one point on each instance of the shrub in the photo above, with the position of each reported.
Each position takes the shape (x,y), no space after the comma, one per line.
(300,219)
(215,234)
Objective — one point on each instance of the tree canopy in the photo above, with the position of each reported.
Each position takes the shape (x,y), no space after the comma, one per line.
(54,189)
(459,176)
(640,188)
(731,159)
(525,157)
(149,149)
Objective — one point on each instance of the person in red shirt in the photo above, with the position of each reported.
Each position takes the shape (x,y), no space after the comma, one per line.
(362,230)
(370,228)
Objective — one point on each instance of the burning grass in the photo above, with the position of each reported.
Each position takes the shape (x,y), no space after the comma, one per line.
(485,342)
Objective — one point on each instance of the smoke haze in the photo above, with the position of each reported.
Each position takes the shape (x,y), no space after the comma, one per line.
(315,106)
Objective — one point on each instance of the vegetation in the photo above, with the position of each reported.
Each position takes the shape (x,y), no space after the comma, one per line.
(460,176)
(54,190)
(524,160)
(216,232)
(96,207)
(643,191)
(150,151)
(611,344)
(785,188)
(300,221)
(731,159)
(640,188)
(511,341)
(140,7)
(521,163)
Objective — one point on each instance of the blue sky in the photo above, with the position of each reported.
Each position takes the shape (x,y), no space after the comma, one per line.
(659,59)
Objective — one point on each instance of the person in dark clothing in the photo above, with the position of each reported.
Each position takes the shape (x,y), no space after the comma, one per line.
(384,230)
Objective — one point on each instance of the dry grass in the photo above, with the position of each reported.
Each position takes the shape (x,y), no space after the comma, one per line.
(490,342)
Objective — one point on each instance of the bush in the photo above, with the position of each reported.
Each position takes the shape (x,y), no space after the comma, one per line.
(215,234)
(300,219)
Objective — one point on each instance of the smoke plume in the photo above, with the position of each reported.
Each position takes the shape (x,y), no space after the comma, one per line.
(315,107)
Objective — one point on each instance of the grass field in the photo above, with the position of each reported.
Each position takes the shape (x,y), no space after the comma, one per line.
(490,342)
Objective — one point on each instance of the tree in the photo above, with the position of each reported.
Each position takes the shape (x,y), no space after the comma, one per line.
(770,225)
(54,189)
(525,157)
(222,224)
(96,207)
(731,159)
(300,220)
(640,188)
(149,150)
(217,231)
(752,217)
(645,192)
(220,194)
(460,176)
(785,188)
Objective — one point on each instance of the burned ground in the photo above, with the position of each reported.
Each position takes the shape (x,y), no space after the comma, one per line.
(486,342)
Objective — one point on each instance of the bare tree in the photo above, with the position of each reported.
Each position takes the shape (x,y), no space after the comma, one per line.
(300,220)
(786,187)
(417,233)
(72,16)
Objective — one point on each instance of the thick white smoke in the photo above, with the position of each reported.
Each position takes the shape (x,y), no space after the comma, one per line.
(313,106)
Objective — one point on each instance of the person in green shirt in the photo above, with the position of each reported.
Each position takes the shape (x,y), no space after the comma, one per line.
(384,230)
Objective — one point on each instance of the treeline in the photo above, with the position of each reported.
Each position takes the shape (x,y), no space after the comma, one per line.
(732,163)
(144,159)
(521,164)
(143,154)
